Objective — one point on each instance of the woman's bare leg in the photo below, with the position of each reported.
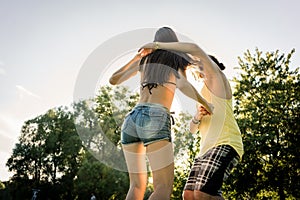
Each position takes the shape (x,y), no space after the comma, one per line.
(161,159)
(136,164)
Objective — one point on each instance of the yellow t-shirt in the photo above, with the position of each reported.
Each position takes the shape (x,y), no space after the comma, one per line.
(220,127)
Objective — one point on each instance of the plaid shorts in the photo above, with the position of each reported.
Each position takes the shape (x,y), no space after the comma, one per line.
(210,170)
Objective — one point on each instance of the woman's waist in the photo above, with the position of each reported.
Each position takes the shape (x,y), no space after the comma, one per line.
(162,100)
(153,105)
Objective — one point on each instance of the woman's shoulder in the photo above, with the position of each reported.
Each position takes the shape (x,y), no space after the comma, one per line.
(219,86)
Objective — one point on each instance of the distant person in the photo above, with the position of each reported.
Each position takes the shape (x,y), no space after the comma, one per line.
(221,145)
(93,197)
(147,127)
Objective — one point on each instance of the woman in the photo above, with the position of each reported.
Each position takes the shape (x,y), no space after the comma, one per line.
(221,143)
(146,130)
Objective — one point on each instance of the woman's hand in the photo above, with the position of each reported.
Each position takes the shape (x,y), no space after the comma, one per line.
(144,52)
(201,112)
(196,120)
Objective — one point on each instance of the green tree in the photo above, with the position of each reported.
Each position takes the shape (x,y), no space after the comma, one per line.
(105,182)
(4,193)
(112,104)
(47,152)
(267,97)
(2,186)
(186,147)
(98,122)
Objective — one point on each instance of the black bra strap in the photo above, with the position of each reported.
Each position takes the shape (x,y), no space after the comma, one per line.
(149,86)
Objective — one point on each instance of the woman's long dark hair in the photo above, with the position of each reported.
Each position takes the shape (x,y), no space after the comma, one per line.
(160,64)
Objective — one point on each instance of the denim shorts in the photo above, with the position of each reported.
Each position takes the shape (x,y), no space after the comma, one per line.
(146,123)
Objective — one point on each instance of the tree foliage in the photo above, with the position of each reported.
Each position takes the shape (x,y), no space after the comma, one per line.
(186,147)
(99,123)
(47,151)
(267,98)
(105,182)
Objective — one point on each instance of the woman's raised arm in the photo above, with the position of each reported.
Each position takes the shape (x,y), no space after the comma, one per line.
(128,70)
(186,47)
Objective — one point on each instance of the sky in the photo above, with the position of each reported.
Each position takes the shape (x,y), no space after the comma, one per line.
(45,44)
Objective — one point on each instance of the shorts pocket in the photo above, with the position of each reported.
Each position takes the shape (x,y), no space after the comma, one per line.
(127,120)
(157,120)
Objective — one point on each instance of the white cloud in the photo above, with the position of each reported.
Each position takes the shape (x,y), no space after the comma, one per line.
(24,92)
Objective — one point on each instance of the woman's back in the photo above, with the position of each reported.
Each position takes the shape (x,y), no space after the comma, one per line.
(162,94)
(159,72)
